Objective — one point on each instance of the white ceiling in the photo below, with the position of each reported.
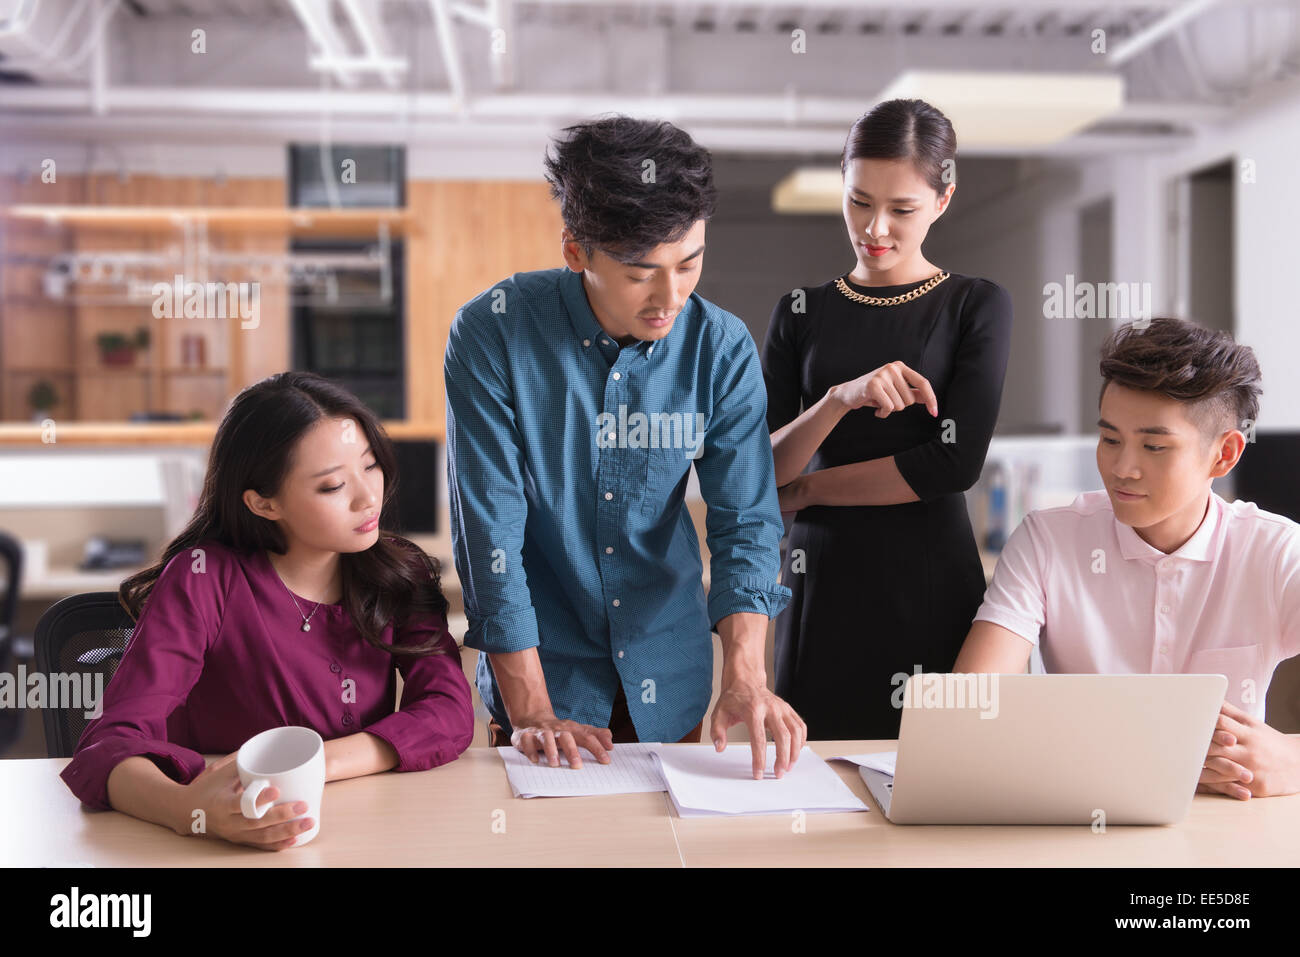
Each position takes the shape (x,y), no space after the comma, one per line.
(427,70)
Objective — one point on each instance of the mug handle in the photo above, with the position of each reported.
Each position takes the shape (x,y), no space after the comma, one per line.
(248,802)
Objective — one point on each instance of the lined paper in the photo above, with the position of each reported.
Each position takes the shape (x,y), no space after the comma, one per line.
(631,769)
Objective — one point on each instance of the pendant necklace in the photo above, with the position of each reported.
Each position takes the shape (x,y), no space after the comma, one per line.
(306,619)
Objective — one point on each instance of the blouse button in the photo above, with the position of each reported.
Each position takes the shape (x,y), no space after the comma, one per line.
(347,718)
(335,667)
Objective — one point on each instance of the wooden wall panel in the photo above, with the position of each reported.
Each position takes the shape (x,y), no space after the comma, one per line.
(468,235)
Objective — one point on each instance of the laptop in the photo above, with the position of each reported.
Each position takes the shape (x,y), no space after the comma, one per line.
(1048,749)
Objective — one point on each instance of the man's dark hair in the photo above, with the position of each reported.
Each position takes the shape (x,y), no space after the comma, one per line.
(1205,368)
(611,198)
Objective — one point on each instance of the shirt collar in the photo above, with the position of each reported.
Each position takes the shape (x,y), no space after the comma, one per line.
(584,321)
(1201,547)
(581,317)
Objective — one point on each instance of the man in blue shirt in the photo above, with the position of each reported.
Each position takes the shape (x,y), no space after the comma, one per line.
(577,401)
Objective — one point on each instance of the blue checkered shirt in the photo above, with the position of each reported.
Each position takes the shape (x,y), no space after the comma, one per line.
(567,466)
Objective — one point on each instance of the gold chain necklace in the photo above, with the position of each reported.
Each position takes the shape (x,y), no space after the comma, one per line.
(921,290)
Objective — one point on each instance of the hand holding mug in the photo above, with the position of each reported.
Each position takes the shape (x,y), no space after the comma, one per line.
(218,793)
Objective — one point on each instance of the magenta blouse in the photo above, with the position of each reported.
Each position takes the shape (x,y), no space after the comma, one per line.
(219,655)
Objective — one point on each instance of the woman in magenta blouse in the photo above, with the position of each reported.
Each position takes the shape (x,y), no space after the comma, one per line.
(280,603)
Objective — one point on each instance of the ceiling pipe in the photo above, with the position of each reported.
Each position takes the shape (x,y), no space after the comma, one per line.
(1125,50)
(315,18)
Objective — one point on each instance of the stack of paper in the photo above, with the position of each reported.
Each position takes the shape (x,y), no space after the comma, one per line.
(882,761)
(631,768)
(703,782)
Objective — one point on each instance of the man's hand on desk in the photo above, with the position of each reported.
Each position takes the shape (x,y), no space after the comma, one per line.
(548,735)
(761,711)
(1247,758)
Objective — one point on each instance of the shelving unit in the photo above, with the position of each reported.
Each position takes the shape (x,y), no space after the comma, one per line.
(43,338)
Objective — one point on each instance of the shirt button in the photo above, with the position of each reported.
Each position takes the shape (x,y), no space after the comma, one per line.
(608,496)
(347,718)
(613,436)
(609,549)
(617,376)
(620,654)
(1164,609)
(585,343)
(334,667)
(615,602)
(604,342)
(1164,649)
(650,351)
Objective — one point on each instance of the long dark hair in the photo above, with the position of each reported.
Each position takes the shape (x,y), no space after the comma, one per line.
(388,582)
(906,129)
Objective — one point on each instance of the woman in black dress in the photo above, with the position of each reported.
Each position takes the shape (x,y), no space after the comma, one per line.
(887,383)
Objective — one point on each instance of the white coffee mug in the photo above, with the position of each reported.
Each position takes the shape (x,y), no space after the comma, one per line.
(290,759)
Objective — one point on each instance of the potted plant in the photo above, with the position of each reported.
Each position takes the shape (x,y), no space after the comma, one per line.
(116,349)
(43,397)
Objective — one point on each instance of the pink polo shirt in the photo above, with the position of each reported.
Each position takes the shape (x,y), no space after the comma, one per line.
(1100,600)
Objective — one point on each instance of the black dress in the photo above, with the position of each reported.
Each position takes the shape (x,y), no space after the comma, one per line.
(882,590)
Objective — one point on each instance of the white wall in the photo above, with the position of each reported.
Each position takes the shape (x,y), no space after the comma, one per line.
(1030,238)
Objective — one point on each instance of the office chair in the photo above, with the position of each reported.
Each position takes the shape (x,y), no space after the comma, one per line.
(11,555)
(83,634)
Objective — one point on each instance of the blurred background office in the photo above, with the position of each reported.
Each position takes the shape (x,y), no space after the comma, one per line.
(351,171)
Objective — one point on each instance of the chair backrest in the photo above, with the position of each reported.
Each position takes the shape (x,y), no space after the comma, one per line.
(80,635)
(11,557)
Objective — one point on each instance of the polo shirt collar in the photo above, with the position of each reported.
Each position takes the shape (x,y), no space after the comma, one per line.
(1201,547)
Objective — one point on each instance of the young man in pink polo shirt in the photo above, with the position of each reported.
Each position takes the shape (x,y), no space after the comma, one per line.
(1157,573)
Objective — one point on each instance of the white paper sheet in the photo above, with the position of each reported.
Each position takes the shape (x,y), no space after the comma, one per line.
(631,769)
(703,782)
(879,761)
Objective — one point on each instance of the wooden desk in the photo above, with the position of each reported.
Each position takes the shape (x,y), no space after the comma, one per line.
(1217,832)
(436,818)
(445,816)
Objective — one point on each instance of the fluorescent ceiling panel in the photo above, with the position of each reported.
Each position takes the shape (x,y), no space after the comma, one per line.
(993,111)
(1013,110)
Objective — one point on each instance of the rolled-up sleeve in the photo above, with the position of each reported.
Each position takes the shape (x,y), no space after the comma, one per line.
(159,667)
(434,723)
(952,461)
(485,489)
(743,519)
